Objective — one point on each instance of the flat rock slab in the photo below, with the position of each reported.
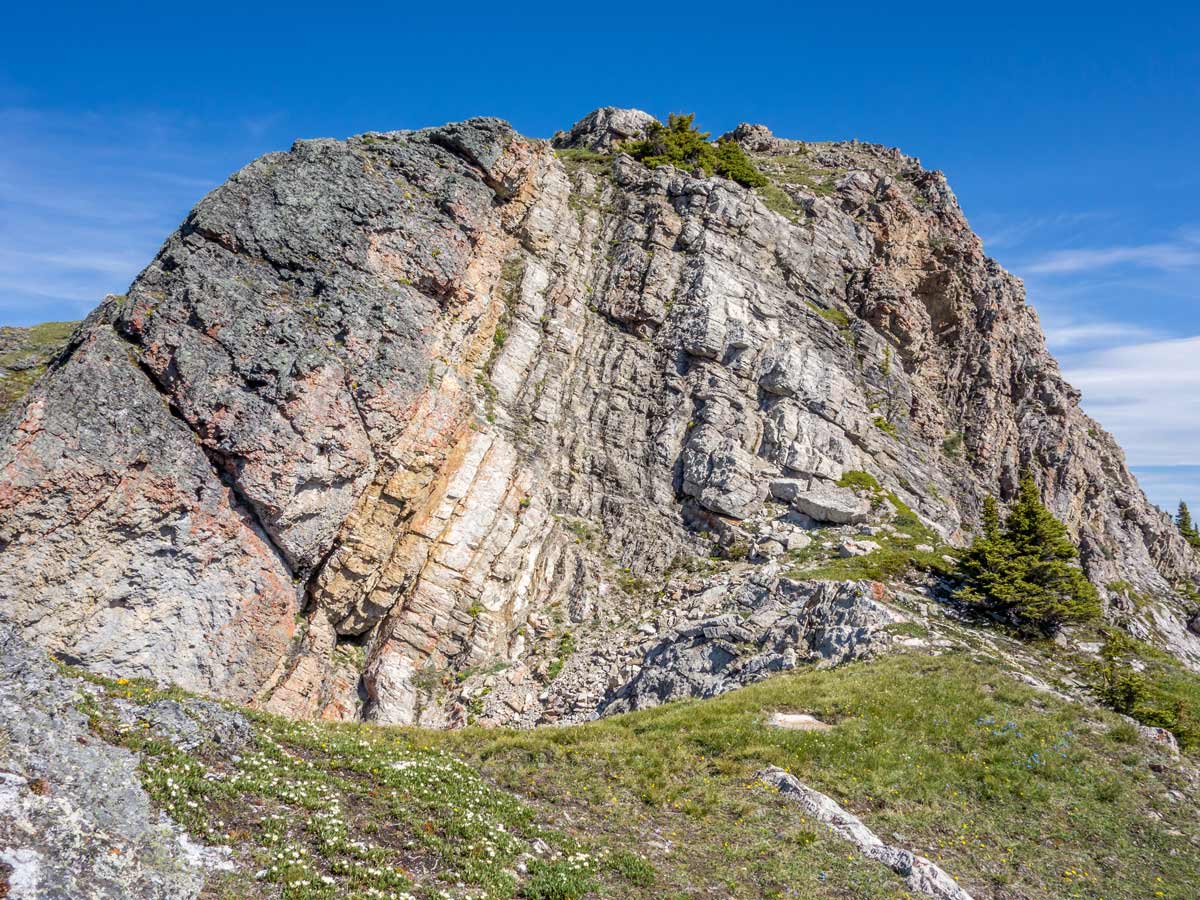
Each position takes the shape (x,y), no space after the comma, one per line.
(797,722)
(829,503)
(920,874)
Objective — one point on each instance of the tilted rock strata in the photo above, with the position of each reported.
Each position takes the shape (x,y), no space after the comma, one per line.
(343,435)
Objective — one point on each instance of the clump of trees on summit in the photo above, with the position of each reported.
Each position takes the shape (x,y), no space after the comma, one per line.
(679,143)
(1026,567)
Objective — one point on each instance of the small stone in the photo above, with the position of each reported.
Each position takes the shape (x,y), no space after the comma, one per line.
(770,548)
(857,548)
(798,540)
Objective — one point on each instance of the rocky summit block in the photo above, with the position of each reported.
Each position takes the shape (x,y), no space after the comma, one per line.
(442,401)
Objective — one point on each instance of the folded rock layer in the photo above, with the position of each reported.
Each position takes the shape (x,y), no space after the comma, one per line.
(380,405)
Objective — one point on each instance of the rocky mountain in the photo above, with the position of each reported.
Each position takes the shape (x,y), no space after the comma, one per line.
(446,425)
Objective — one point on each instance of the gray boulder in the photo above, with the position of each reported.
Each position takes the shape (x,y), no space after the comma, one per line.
(829,503)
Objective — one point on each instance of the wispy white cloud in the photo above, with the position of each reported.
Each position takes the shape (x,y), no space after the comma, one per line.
(87,260)
(1181,253)
(1001,232)
(86,199)
(1147,394)
(1067,335)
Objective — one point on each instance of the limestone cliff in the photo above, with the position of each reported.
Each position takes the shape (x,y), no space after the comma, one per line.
(419,403)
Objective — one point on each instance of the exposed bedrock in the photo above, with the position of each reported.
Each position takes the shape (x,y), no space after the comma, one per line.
(386,409)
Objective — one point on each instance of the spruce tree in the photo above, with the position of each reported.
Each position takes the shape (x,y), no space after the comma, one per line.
(1184,520)
(985,565)
(1026,568)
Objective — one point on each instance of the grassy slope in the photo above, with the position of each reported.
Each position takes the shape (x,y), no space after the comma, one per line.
(19,347)
(1014,792)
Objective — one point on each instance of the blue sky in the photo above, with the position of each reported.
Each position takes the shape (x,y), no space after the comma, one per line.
(1070,132)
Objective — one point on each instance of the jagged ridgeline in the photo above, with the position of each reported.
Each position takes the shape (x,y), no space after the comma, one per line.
(440,426)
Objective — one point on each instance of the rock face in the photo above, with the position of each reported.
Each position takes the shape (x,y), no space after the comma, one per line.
(605,129)
(74,820)
(416,402)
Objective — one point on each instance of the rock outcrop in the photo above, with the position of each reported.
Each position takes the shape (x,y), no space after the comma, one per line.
(415,403)
(779,625)
(74,820)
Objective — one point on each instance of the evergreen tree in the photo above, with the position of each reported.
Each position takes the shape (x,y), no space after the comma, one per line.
(1184,520)
(1026,567)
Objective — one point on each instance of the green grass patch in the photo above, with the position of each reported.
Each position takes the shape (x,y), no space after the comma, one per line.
(587,160)
(563,652)
(778,200)
(800,171)
(328,812)
(836,316)
(1137,679)
(907,629)
(1013,792)
(24,356)
(888,428)
(893,560)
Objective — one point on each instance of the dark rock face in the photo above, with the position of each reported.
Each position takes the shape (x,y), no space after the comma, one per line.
(381,405)
(122,548)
